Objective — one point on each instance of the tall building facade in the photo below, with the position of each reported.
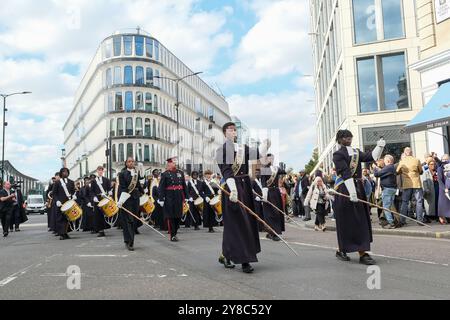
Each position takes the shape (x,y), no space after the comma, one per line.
(242,129)
(433,24)
(361,51)
(127,104)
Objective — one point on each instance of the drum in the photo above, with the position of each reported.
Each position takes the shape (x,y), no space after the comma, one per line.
(216,203)
(199,203)
(72,211)
(147,204)
(109,207)
(185,208)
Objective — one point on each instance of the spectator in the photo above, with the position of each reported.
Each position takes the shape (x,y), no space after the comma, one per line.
(430,183)
(444,185)
(7,199)
(304,187)
(317,199)
(410,170)
(388,182)
(367,181)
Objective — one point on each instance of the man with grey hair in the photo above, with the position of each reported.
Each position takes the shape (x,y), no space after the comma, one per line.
(410,170)
(389,184)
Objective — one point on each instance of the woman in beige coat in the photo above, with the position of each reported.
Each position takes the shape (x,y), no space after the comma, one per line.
(317,199)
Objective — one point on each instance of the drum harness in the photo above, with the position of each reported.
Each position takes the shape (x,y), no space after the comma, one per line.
(72,225)
(112,220)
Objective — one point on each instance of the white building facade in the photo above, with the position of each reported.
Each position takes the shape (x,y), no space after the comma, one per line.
(361,51)
(126,97)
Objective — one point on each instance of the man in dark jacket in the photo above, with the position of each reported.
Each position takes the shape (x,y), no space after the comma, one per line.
(388,181)
(7,199)
(18,215)
(303,186)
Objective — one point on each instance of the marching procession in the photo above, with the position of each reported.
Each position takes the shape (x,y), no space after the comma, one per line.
(245,204)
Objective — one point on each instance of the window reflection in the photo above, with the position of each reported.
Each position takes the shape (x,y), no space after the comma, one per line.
(395,83)
(119,101)
(128,101)
(117,41)
(120,127)
(121,153)
(392,19)
(129,150)
(117,75)
(367,85)
(129,127)
(139,75)
(128,45)
(148,102)
(139,46)
(149,47)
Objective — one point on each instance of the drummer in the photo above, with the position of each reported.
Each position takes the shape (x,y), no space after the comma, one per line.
(196,196)
(101,189)
(63,191)
(209,216)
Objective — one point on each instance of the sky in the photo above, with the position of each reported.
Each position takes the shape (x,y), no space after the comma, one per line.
(257,52)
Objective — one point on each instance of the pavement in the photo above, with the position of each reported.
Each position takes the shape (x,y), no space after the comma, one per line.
(36,265)
(431,230)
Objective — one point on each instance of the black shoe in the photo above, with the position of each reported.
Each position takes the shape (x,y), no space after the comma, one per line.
(367,260)
(62,238)
(342,256)
(17,230)
(66,236)
(196,228)
(226,262)
(276,238)
(5,234)
(93,232)
(211,230)
(269,236)
(129,247)
(306,219)
(137,231)
(174,239)
(247,268)
(101,234)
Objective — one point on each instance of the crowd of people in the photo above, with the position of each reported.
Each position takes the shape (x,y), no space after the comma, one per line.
(12,210)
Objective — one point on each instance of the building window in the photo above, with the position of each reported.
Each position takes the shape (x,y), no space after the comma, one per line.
(382,83)
(112,128)
(128,101)
(377,20)
(128,45)
(128,72)
(120,127)
(114,153)
(121,153)
(148,102)
(211,113)
(147,129)
(146,153)
(139,152)
(156,78)
(129,127)
(110,102)
(107,47)
(152,156)
(139,75)
(108,78)
(154,129)
(149,76)
(156,50)
(156,103)
(139,130)
(149,47)
(119,101)
(139,101)
(396,140)
(117,41)
(129,150)
(117,75)
(139,46)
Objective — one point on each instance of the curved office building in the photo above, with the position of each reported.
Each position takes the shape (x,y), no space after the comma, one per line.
(128,96)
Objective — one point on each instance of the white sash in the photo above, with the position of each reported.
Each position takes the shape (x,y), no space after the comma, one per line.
(239,160)
(259,183)
(195,188)
(100,185)
(63,184)
(210,189)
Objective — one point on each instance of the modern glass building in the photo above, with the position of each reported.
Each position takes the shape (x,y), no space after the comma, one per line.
(362,50)
(127,97)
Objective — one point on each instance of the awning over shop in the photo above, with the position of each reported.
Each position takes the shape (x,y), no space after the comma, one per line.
(436,112)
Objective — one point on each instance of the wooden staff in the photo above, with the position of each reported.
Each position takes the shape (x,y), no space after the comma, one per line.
(278,209)
(332,191)
(258,218)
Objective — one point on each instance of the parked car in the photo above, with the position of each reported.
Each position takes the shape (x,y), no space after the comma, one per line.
(35,204)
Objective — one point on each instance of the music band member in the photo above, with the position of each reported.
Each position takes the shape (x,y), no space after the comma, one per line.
(172,194)
(63,191)
(270,177)
(195,191)
(100,189)
(240,234)
(7,199)
(153,186)
(257,187)
(209,215)
(130,191)
(353,226)
(88,208)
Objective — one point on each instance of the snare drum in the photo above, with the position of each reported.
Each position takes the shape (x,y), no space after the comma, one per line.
(147,204)
(199,203)
(72,210)
(109,207)
(216,203)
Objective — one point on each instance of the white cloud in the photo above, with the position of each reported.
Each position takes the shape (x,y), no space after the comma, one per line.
(277,45)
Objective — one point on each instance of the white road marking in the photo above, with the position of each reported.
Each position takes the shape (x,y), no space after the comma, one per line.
(14,276)
(4,282)
(153,261)
(162,275)
(172,269)
(100,256)
(33,225)
(182,275)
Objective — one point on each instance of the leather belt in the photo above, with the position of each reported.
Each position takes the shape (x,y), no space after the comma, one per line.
(175,188)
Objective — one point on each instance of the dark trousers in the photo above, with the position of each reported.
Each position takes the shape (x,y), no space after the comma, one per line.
(127,220)
(5,216)
(320,214)
(15,218)
(173,224)
(295,207)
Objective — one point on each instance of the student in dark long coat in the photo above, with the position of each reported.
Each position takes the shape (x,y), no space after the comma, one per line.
(152,187)
(51,212)
(257,187)
(100,189)
(19,215)
(353,226)
(88,208)
(240,234)
(63,191)
(270,176)
(172,194)
(209,215)
(130,191)
(195,190)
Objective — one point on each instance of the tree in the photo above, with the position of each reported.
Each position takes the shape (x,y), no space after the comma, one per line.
(313,162)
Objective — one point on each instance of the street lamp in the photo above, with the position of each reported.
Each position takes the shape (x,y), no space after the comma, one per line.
(4,96)
(63,157)
(177,105)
